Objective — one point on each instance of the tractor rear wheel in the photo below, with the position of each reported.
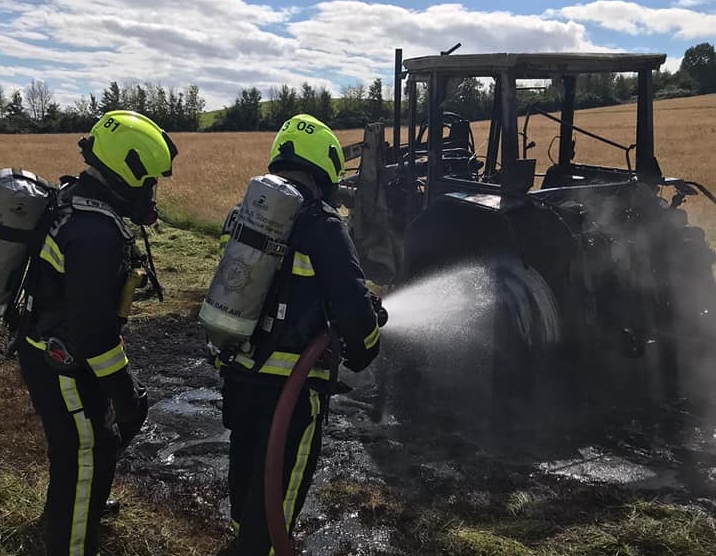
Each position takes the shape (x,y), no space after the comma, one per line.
(527,333)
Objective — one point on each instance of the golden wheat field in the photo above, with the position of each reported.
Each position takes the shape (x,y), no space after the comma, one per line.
(212,169)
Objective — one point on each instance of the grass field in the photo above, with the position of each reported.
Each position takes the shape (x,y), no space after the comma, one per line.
(210,175)
(212,169)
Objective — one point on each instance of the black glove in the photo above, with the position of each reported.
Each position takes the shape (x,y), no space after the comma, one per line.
(128,401)
(131,421)
(359,360)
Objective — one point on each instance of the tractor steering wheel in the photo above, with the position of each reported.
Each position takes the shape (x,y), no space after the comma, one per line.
(457,134)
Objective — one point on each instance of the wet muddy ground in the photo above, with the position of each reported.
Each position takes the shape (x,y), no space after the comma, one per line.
(181,454)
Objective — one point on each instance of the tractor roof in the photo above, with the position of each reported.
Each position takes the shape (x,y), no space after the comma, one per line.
(533,65)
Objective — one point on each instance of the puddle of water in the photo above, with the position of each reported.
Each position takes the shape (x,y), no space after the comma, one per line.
(204,448)
(598,465)
(347,536)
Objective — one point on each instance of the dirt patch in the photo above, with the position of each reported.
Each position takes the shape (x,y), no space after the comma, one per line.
(396,468)
(397,480)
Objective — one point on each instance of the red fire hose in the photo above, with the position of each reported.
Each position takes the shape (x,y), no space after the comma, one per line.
(273,481)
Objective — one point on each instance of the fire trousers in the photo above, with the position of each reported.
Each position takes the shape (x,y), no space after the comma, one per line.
(248,410)
(82,442)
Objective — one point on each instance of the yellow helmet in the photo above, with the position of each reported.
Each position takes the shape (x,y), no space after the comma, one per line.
(307,142)
(131,146)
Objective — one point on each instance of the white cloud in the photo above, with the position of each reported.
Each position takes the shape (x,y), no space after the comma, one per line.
(672,63)
(691,3)
(78,46)
(635,19)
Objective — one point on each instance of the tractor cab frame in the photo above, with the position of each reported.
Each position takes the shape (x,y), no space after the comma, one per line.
(506,167)
(589,260)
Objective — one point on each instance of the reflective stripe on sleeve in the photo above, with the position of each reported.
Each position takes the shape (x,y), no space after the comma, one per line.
(51,253)
(302,265)
(109,362)
(34,343)
(371,339)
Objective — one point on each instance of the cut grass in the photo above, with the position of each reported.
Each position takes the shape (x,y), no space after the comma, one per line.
(580,522)
(140,529)
(185,261)
(211,175)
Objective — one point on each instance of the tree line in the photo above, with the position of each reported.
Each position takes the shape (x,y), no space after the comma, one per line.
(34,109)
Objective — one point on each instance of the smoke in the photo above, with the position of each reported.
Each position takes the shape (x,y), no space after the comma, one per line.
(650,276)
(436,348)
(451,337)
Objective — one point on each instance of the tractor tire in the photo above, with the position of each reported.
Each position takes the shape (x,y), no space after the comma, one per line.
(474,356)
(527,335)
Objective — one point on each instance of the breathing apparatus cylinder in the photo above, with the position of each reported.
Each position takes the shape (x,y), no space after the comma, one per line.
(136,278)
(253,253)
(23,199)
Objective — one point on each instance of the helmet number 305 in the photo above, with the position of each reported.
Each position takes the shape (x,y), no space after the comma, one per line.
(111,123)
(300,126)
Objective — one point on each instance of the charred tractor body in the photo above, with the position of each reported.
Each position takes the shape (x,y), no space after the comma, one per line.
(605,291)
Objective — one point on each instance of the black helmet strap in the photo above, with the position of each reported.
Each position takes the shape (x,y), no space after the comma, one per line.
(136,203)
(287,158)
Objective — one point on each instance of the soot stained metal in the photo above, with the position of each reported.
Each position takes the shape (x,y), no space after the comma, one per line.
(627,278)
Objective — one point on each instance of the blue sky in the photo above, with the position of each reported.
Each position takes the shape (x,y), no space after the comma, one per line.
(78,47)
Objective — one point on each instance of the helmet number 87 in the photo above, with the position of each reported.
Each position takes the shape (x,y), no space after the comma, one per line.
(300,126)
(111,123)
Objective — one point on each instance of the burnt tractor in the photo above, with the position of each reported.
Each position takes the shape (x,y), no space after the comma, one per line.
(604,292)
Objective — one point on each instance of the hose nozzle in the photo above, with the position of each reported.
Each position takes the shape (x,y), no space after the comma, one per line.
(380,311)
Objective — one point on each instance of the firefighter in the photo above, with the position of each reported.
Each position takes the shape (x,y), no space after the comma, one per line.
(73,360)
(323,282)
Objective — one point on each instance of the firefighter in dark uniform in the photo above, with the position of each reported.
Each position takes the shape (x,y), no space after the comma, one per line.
(73,360)
(324,282)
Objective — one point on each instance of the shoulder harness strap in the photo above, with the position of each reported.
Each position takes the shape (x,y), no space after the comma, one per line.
(93,205)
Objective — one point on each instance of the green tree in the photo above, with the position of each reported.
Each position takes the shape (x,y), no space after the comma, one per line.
(352,107)
(111,98)
(309,100)
(158,105)
(136,99)
(624,87)
(193,107)
(52,120)
(376,108)
(16,119)
(699,62)
(324,106)
(15,106)
(250,108)
(243,115)
(283,104)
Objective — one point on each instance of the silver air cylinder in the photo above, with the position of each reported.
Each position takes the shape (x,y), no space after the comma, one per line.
(22,203)
(233,303)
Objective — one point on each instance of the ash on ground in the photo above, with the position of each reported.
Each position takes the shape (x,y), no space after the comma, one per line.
(418,453)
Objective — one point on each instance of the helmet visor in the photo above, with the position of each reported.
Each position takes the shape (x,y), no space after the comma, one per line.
(173,151)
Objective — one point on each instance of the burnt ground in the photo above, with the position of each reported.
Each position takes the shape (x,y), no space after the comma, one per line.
(385,467)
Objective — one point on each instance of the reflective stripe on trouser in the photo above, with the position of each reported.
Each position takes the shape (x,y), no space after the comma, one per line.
(81,450)
(248,410)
